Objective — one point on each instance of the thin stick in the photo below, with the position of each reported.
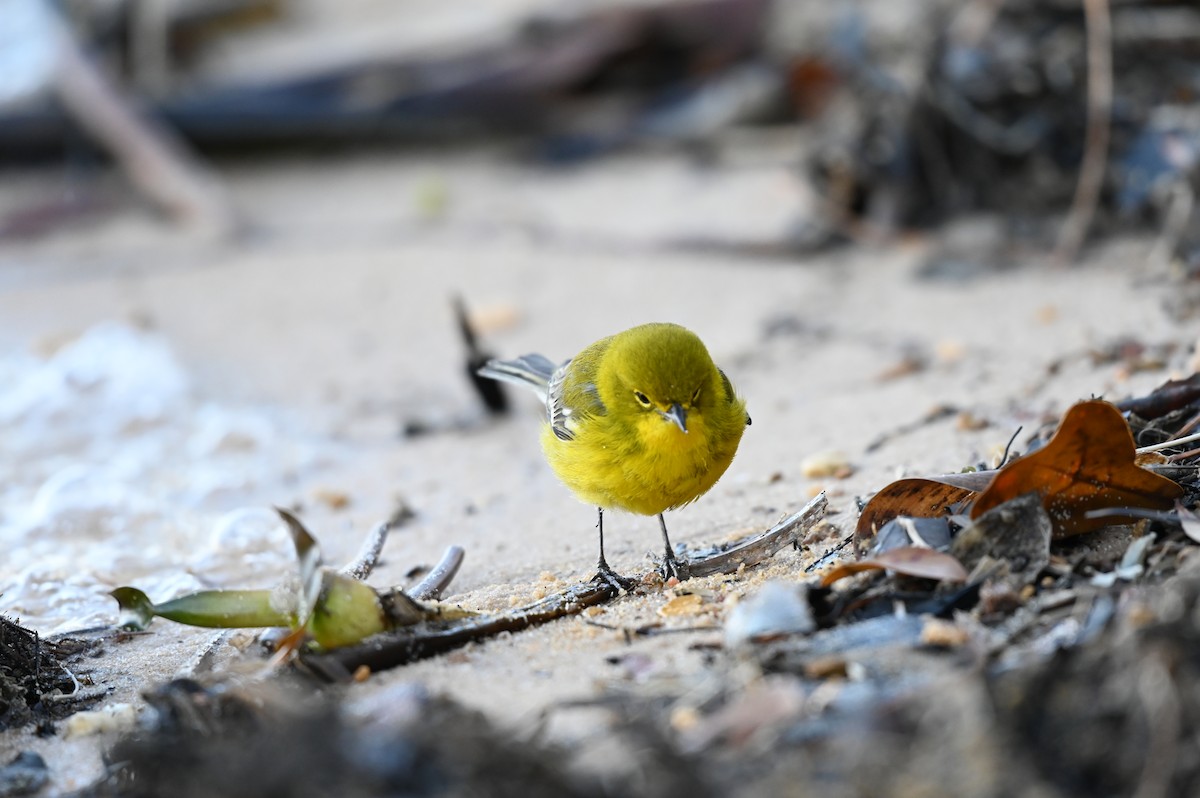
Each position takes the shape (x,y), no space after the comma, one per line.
(1169,444)
(1175,458)
(1133,512)
(438,579)
(66,696)
(1192,423)
(821,560)
(1008,447)
(1095,152)
(368,555)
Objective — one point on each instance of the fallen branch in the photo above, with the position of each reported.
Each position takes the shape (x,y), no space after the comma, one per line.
(409,644)
(761,547)
(426,640)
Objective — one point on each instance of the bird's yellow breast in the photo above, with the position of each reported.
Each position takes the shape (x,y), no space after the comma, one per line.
(657,468)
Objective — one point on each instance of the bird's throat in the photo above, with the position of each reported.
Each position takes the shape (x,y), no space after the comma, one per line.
(664,436)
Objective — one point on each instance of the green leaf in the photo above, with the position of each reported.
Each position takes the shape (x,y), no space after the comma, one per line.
(225,609)
(137,611)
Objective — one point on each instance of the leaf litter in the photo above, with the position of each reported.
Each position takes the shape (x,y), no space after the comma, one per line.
(37,684)
(969,635)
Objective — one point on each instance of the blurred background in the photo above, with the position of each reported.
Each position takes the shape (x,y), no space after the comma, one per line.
(866,119)
(232,235)
(250,250)
(240,242)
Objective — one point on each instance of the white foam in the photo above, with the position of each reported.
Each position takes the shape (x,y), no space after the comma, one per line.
(115,472)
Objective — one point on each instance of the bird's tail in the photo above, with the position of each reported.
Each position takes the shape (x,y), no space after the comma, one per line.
(531,371)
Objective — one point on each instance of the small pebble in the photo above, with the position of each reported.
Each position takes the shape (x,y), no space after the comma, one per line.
(826,464)
(943,634)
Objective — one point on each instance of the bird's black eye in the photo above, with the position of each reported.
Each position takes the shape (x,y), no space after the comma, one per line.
(643,400)
(696,395)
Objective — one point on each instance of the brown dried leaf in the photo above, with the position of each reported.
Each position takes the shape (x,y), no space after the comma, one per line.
(1087,465)
(921,497)
(908,560)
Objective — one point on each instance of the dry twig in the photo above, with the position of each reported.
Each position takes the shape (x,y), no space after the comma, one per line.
(1095,154)
(439,578)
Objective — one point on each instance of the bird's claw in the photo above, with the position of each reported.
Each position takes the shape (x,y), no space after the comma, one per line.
(607,576)
(672,566)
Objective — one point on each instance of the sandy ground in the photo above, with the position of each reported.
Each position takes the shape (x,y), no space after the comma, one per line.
(327,327)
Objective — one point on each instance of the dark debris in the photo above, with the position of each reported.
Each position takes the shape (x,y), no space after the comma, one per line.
(35,684)
(24,775)
(207,741)
(998,123)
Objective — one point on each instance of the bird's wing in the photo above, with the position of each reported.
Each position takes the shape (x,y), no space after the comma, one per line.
(557,411)
(573,397)
(569,390)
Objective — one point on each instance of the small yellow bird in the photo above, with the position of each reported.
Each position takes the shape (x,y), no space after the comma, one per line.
(642,421)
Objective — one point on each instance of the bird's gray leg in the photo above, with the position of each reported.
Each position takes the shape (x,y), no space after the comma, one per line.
(671,565)
(604,572)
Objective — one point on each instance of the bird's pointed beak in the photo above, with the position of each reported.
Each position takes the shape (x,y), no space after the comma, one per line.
(677,414)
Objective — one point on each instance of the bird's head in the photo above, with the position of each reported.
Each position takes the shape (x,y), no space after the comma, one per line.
(661,371)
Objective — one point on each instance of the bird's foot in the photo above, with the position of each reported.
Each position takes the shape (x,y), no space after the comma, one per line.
(605,575)
(672,566)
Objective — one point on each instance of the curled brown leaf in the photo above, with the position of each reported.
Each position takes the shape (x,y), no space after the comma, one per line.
(907,560)
(1089,464)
